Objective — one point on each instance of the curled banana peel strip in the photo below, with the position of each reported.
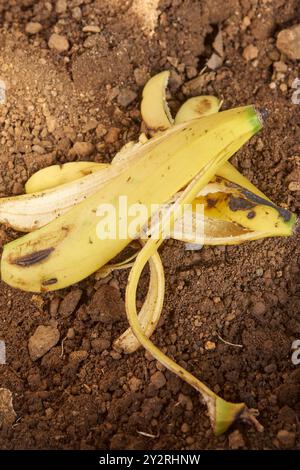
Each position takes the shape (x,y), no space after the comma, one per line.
(150,312)
(222,414)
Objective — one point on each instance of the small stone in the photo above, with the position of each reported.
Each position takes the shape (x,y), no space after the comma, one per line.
(126,97)
(112,135)
(78,356)
(158,379)
(214,62)
(101,131)
(69,303)
(185,401)
(70,333)
(81,149)
(61,6)
(76,13)
(141,75)
(106,305)
(175,80)
(280,66)
(33,27)
(7,412)
(288,42)
(134,383)
(58,43)
(43,339)
(294,186)
(286,439)
(209,345)
(283,87)
(91,29)
(115,355)
(51,123)
(195,86)
(191,72)
(38,149)
(236,440)
(259,308)
(100,344)
(185,428)
(250,52)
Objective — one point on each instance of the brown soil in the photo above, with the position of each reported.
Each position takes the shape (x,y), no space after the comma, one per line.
(247,294)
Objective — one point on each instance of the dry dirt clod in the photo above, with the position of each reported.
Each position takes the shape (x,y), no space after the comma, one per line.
(126,97)
(81,149)
(58,43)
(100,344)
(236,440)
(112,135)
(141,76)
(250,52)
(134,384)
(7,412)
(43,339)
(61,6)
(78,356)
(106,305)
(158,379)
(33,27)
(288,42)
(69,303)
(286,439)
(91,29)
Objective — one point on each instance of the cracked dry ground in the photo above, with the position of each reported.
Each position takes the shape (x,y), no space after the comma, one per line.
(85,87)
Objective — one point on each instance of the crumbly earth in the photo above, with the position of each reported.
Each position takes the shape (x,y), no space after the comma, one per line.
(82,394)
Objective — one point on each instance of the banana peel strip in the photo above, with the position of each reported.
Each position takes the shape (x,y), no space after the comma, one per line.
(222,414)
(150,312)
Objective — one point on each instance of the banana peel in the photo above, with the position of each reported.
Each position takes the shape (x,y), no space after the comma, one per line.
(44,260)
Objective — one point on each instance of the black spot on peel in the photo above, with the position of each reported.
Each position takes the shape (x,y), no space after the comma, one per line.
(50,282)
(32,258)
(285,214)
(251,215)
(211,202)
(240,204)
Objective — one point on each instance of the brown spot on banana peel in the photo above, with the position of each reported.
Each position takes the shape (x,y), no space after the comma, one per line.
(258,200)
(50,282)
(33,258)
(240,204)
(203,106)
(284,213)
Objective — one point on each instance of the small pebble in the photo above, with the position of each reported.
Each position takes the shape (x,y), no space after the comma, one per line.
(7,412)
(134,383)
(81,149)
(78,356)
(126,97)
(210,345)
(33,27)
(236,440)
(61,6)
(250,52)
(70,333)
(158,379)
(112,135)
(286,439)
(58,43)
(288,42)
(43,339)
(91,29)
(100,344)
